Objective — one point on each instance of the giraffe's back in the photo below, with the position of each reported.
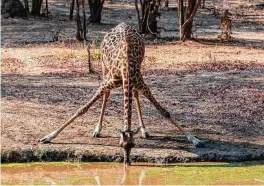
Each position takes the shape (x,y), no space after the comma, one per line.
(112,44)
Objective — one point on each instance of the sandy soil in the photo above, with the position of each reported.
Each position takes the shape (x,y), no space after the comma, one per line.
(215,89)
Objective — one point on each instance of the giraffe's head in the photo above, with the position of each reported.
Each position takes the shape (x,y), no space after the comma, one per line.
(127,143)
(227,13)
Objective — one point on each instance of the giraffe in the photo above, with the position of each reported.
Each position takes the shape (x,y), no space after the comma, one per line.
(122,54)
(226,25)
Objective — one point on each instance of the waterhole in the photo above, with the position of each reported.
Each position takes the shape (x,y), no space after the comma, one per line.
(62,173)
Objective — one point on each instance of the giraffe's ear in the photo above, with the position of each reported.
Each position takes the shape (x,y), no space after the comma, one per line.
(136,130)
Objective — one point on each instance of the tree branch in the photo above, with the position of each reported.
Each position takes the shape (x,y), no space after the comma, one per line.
(198,2)
(136,5)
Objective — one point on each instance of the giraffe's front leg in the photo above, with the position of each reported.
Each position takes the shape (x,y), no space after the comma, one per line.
(144,132)
(81,111)
(54,134)
(98,127)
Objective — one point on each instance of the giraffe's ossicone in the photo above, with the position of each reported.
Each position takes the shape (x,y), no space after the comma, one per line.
(122,54)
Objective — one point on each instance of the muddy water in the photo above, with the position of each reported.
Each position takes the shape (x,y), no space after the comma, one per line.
(139,173)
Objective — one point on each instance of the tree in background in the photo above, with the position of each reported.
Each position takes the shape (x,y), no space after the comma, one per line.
(180,17)
(36,7)
(203,4)
(185,27)
(166,4)
(81,21)
(147,19)
(71,9)
(47,9)
(26,6)
(96,7)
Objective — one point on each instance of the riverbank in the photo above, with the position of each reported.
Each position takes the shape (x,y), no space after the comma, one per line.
(169,150)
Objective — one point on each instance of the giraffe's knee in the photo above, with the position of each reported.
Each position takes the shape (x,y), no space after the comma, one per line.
(166,115)
(80,111)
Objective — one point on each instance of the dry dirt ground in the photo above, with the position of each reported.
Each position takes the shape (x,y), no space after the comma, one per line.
(215,89)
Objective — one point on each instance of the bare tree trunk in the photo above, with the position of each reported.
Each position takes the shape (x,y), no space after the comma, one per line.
(138,15)
(36,7)
(192,8)
(96,7)
(81,26)
(78,22)
(147,21)
(71,9)
(181,17)
(203,6)
(144,17)
(26,6)
(167,3)
(90,70)
(84,21)
(47,9)
(187,31)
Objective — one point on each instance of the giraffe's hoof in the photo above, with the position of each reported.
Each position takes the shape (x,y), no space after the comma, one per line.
(48,138)
(199,144)
(45,140)
(145,135)
(96,135)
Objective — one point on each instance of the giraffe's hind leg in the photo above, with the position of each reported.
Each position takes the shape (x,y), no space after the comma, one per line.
(107,86)
(143,88)
(141,124)
(98,127)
